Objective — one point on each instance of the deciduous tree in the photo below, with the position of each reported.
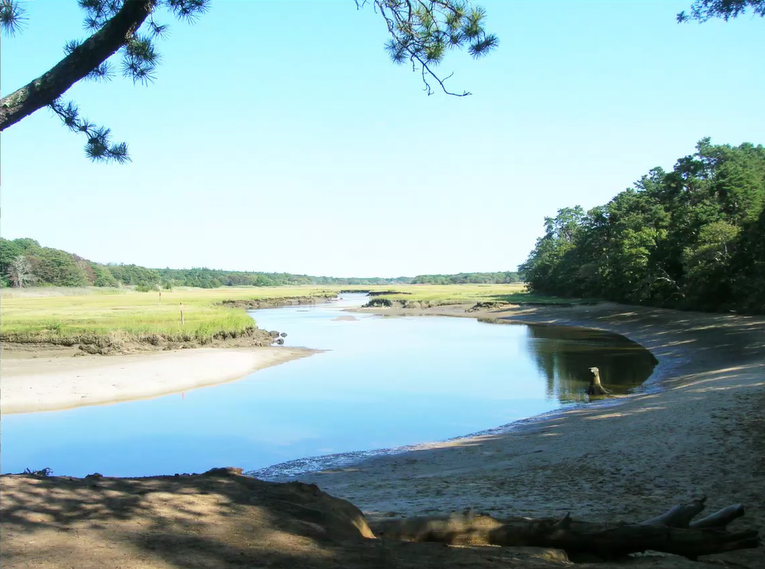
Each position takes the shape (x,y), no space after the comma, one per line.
(20,271)
(689,238)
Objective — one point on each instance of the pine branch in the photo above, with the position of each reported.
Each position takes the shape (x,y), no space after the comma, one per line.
(705,10)
(12,17)
(99,147)
(78,64)
(422,31)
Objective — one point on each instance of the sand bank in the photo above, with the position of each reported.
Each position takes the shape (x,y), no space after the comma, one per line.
(50,383)
(702,434)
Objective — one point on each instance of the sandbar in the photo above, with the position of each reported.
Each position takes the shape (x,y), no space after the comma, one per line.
(52,383)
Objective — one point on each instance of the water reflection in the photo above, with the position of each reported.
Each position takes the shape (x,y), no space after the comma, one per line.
(382,383)
(564,355)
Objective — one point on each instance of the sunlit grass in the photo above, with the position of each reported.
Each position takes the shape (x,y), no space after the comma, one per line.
(464,294)
(90,312)
(52,314)
(458,294)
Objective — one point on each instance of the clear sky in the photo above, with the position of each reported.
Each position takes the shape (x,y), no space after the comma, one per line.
(278,135)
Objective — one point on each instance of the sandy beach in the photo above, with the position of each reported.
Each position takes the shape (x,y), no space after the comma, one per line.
(52,382)
(703,433)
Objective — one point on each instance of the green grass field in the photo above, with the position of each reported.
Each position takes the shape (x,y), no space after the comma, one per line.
(468,293)
(40,314)
(53,314)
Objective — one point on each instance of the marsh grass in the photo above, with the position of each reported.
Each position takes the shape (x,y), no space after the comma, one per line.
(113,317)
(140,316)
(435,295)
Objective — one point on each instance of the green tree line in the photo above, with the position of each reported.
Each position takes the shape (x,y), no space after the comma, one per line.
(211,278)
(506,277)
(692,238)
(24,262)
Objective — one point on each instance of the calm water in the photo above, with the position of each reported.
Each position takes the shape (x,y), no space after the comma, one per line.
(383,382)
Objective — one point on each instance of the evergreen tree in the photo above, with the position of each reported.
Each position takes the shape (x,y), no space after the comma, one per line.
(421,32)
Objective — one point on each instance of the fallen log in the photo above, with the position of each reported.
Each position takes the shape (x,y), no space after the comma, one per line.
(672,532)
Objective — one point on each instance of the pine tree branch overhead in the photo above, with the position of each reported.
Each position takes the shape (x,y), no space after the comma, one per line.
(12,18)
(124,26)
(81,61)
(703,10)
(421,33)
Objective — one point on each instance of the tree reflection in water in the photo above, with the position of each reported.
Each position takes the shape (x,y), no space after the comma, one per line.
(565,354)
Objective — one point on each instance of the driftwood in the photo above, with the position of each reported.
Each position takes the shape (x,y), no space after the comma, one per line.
(673,532)
(678,516)
(596,388)
(719,519)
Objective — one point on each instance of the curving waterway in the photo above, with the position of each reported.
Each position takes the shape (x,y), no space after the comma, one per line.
(382,382)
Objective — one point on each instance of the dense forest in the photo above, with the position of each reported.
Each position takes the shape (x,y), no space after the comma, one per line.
(23,262)
(692,238)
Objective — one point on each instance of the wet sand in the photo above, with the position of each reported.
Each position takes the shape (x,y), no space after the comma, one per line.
(55,380)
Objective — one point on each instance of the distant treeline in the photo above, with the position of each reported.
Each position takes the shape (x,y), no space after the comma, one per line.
(211,278)
(692,238)
(23,262)
(468,278)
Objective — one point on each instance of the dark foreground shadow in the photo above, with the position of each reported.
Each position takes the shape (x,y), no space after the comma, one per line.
(205,521)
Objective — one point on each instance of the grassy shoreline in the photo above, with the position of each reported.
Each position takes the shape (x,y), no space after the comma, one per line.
(123,320)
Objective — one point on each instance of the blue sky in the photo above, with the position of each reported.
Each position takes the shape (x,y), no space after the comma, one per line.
(278,136)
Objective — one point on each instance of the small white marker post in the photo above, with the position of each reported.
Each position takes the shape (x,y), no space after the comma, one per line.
(182,322)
